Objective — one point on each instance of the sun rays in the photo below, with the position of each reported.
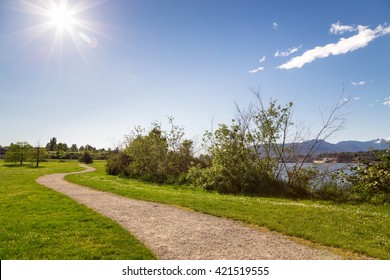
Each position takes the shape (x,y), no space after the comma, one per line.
(61,16)
(63,21)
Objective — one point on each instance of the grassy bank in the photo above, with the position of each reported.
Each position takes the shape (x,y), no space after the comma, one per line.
(38,223)
(363,229)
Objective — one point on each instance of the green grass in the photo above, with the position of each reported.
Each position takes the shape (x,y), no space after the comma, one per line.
(39,223)
(363,229)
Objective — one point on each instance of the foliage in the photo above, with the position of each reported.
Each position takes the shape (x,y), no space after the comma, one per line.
(371,179)
(52,145)
(17,153)
(117,164)
(86,157)
(156,156)
(37,155)
(235,166)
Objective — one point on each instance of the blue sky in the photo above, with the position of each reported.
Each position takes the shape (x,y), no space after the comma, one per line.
(104,67)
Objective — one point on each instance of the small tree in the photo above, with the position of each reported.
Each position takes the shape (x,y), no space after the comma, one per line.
(37,154)
(18,152)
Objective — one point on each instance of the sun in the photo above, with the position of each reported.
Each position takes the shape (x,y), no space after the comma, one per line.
(61,17)
(68,24)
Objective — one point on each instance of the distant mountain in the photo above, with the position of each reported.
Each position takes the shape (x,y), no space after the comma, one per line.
(344,146)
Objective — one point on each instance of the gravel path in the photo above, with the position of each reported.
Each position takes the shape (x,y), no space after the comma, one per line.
(174,233)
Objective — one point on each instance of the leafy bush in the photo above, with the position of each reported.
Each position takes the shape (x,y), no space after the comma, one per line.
(86,157)
(117,164)
(371,180)
(235,167)
(157,156)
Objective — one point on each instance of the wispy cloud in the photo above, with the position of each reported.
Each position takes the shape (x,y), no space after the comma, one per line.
(361,83)
(256,70)
(261,60)
(338,28)
(343,46)
(275,25)
(288,52)
(387,101)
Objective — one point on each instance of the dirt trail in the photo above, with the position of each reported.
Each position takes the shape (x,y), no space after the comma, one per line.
(174,233)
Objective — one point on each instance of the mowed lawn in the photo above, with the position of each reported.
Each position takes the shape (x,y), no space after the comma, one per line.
(350,229)
(39,223)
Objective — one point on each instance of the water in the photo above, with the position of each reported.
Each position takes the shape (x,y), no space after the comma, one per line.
(327,170)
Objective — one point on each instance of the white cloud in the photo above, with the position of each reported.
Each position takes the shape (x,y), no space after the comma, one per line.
(256,70)
(361,83)
(288,52)
(387,101)
(337,28)
(275,25)
(343,46)
(261,60)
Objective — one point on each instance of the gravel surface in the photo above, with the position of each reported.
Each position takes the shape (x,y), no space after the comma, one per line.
(174,233)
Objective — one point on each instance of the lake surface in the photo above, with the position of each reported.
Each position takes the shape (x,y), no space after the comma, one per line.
(328,168)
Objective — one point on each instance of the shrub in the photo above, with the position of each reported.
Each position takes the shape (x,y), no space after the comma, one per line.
(86,157)
(157,156)
(371,180)
(117,164)
(235,167)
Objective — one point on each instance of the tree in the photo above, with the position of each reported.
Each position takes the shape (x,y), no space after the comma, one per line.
(274,137)
(52,145)
(74,148)
(253,154)
(157,156)
(147,154)
(62,147)
(17,152)
(235,166)
(37,154)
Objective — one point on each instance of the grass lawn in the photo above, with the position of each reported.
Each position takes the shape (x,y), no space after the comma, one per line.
(39,223)
(363,229)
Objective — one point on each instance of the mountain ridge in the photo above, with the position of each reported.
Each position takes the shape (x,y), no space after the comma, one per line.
(344,146)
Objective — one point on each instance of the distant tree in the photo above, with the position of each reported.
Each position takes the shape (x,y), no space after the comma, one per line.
(89,148)
(52,145)
(62,147)
(18,152)
(37,154)
(74,148)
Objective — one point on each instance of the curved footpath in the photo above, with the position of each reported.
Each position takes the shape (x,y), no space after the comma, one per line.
(174,233)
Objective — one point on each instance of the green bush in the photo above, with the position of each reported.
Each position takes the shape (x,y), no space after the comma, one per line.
(117,164)
(371,180)
(157,156)
(235,168)
(86,157)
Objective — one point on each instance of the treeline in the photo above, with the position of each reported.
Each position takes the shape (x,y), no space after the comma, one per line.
(250,156)
(21,152)
(62,151)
